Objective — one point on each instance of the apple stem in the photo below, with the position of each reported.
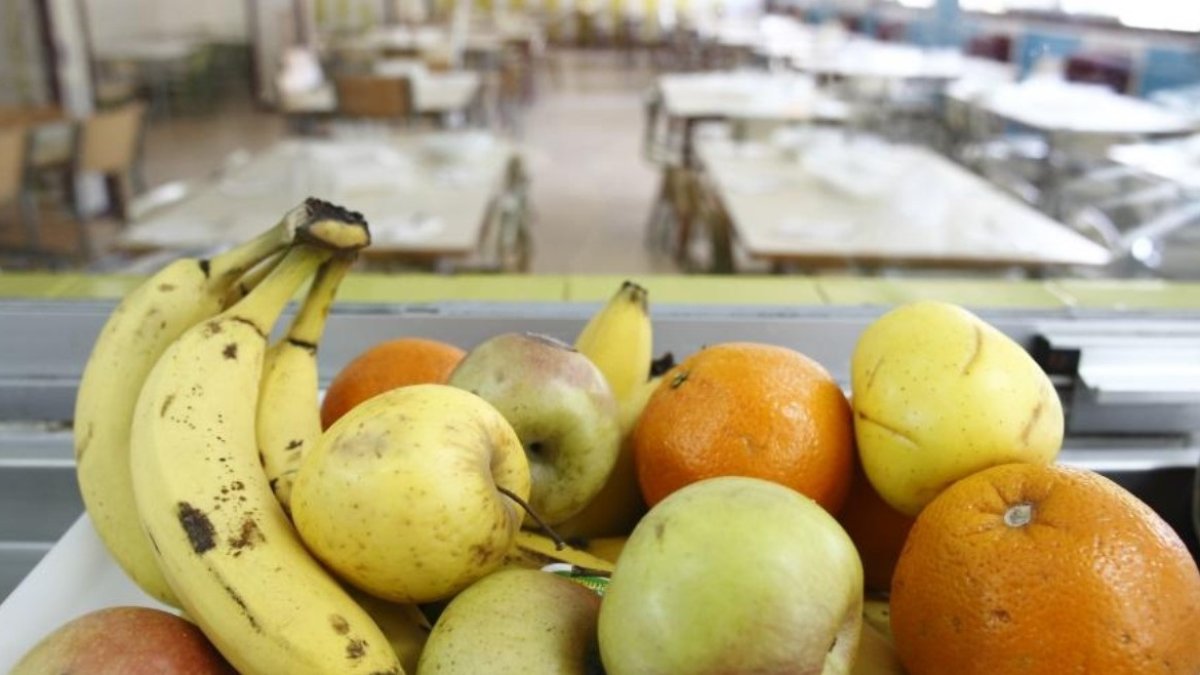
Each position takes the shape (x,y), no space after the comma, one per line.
(559,543)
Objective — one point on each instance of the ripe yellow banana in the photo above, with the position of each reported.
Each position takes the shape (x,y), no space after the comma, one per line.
(250,279)
(405,626)
(289,415)
(224,544)
(535,551)
(619,340)
(151,317)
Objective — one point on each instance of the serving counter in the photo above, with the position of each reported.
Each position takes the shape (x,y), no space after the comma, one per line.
(1125,357)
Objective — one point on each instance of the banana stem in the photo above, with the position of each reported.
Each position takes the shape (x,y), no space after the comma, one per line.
(309,324)
(266,302)
(252,278)
(225,268)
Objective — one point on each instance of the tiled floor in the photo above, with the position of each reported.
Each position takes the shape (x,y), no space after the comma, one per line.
(591,191)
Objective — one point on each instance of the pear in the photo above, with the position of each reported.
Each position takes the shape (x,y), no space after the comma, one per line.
(516,621)
(939,394)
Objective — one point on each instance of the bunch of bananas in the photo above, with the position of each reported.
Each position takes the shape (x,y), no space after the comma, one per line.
(188,429)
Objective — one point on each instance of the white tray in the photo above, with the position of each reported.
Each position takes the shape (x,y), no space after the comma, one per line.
(77,576)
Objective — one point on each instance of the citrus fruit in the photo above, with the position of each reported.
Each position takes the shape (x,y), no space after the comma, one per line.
(385,366)
(877,530)
(746,409)
(1031,569)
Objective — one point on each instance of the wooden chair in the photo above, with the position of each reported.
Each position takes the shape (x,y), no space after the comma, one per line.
(374,97)
(108,143)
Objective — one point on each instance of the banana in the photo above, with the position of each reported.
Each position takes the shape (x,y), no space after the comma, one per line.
(151,317)
(250,279)
(221,538)
(876,654)
(405,626)
(535,551)
(619,340)
(289,415)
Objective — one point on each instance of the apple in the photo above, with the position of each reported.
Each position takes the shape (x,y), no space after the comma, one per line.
(403,497)
(733,575)
(619,505)
(939,394)
(562,409)
(125,641)
(515,621)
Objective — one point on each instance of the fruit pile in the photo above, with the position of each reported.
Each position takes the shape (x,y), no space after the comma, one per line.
(734,513)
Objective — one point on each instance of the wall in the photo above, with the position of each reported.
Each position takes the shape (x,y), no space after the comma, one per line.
(114,20)
(21,78)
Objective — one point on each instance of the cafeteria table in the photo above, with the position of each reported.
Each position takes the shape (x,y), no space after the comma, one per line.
(838,200)
(427,197)
(434,94)
(690,99)
(1070,116)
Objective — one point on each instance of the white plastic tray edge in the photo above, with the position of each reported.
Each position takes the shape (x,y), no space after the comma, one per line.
(77,576)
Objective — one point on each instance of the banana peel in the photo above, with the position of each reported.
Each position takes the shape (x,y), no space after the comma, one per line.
(877,613)
(535,551)
(405,626)
(608,548)
(876,655)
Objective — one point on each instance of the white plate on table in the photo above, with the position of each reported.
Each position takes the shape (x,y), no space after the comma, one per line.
(405,229)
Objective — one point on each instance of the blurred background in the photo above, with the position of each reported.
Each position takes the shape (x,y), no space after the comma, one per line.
(980,138)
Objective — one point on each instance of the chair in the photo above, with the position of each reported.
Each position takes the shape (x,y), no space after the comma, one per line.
(108,144)
(374,97)
(14,186)
(1114,71)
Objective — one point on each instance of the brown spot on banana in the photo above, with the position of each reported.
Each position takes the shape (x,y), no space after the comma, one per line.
(340,626)
(197,526)
(230,351)
(237,599)
(166,405)
(356,649)
(249,536)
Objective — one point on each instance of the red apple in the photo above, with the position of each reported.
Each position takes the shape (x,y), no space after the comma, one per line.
(125,641)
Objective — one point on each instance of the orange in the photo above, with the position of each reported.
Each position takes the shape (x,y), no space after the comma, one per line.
(386,366)
(877,530)
(1032,569)
(747,409)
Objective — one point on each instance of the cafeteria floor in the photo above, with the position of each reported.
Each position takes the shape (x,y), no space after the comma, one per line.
(592,191)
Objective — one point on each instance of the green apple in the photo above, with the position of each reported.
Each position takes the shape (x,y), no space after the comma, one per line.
(562,409)
(403,496)
(939,394)
(619,505)
(515,621)
(733,575)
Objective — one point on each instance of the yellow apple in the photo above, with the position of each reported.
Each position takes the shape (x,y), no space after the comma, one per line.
(939,394)
(402,497)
